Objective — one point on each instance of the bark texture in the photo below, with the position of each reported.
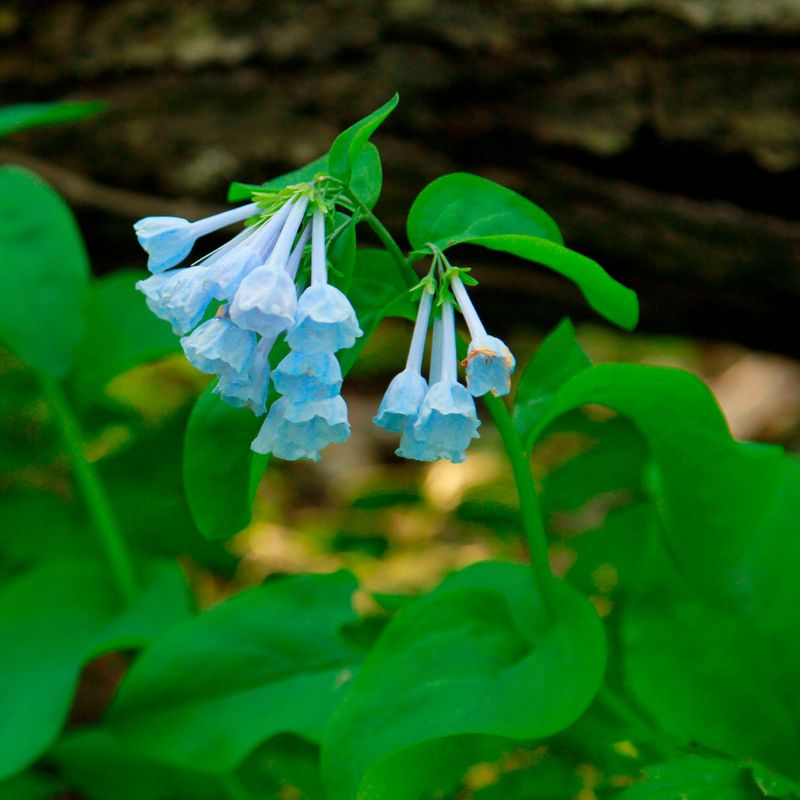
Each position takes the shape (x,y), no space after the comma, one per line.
(661,134)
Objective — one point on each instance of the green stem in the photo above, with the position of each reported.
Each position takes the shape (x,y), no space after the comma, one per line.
(530,511)
(105,523)
(388,241)
(529,507)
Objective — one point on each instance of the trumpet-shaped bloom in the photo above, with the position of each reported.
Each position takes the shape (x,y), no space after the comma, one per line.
(447,421)
(219,347)
(489,366)
(325,320)
(180,297)
(489,362)
(401,403)
(293,431)
(248,390)
(168,240)
(304,378)
(266,299)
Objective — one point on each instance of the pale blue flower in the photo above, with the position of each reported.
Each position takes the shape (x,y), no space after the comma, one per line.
(401,403)
(230,265)
(168,240)
(293,431)
(219,347)
(447,420)
(267,298)
(489,362)
(489,366)
(180,297)
(303,377)
(249,389)
(325,320)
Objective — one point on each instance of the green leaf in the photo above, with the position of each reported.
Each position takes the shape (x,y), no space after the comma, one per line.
(342,253)
(268,661)
(694,778)
(480,655)
(52,620)
(120,334)
(607,297)
(43,272)
(218,464)
(460,207)
(558,358)
(348,145)
(33,115)
(366,181)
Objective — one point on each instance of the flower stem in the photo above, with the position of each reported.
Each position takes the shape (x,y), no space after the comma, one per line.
(529,507)
(380,230)
(109,534)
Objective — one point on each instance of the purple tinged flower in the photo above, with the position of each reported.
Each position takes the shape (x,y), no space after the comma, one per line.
(266,299)
(403,398)
(304,378)
(219,347)
(168,240)
(180,297)
(250,389)
(447,420)
(325,320)
(489,362)
(293,431)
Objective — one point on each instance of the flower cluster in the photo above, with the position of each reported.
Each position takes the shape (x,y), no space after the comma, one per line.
(437,418)
(254,278)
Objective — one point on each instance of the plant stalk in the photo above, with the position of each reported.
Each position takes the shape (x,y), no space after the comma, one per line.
(111,540)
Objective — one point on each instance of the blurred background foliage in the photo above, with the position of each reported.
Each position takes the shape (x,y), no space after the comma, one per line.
(662,136)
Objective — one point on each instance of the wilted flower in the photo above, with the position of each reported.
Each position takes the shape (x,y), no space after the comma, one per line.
(168,240)
(301,430)
(403,398)
(325,320)
(489,363)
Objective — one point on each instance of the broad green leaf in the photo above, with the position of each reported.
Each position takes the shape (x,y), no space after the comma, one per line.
(459,207)
(348,145)
(694,778)
(558,358)
(217,465)
(549,778)
(607,297)
(342,253)
(268,661)
(479,656)
(43,272)
(29,786)
(32,115)
(366,181)
(120,334)
(52,620)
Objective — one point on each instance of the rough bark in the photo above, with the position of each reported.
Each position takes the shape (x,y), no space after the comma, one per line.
(662,135)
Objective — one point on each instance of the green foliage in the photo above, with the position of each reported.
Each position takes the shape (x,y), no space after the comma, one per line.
(683,685)
(33,115)
(45,271)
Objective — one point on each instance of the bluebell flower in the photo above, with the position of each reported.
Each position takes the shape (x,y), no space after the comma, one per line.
(303,377)
(220,347)
(168,240)
(447,420)
(267,298)
(180,297)
(249,389)
(402,400)
(230,265)
(325,320)
(489,363)
(293,431)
